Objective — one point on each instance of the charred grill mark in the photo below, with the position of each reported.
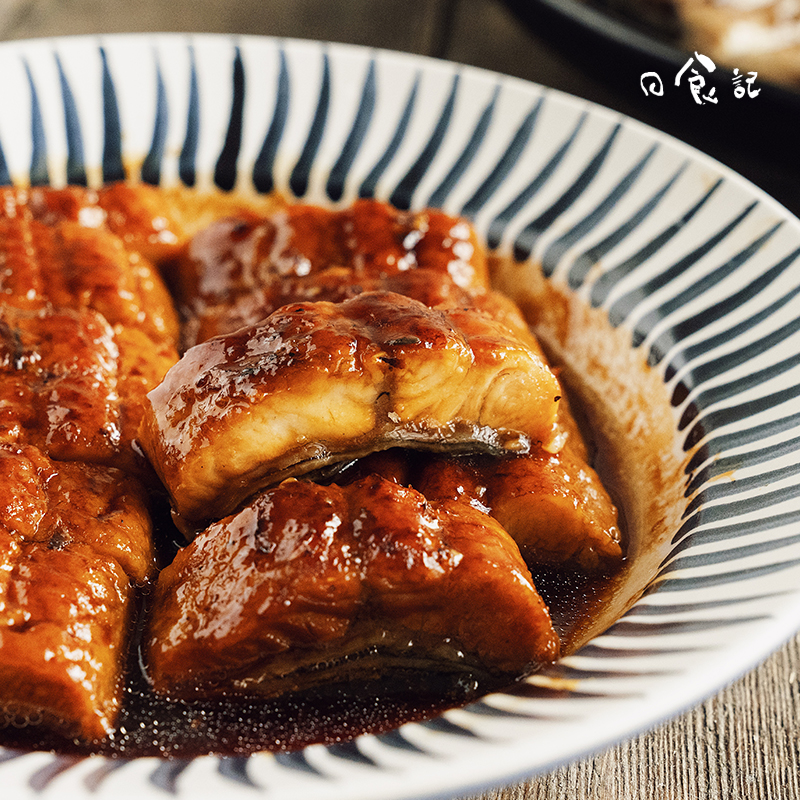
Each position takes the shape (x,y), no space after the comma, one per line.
(403,340)
(12,337)
(59,539)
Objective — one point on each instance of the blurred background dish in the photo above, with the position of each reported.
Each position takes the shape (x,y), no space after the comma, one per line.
(616,48)
(762,36)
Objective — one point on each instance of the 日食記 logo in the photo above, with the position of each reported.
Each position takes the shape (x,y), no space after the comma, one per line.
(693,74)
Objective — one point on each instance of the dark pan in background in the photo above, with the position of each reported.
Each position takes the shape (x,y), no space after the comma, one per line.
(755,136)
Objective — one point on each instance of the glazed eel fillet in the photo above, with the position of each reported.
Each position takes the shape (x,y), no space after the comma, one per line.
(552,504)
(316,383)
(240,269)
(74,386)
(87,328)
(75,539)
(312,584)
(150,221)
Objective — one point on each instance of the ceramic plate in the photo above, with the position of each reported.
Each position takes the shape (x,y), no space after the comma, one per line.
(694,270)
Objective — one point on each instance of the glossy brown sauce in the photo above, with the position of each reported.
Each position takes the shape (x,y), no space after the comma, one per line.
(153,725)
(580,606)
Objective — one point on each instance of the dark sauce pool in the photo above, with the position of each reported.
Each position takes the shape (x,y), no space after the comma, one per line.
(152,725)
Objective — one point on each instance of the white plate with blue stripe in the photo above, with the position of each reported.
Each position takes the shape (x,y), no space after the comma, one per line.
(678,280)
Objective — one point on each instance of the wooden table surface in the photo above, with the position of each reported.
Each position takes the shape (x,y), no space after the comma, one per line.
(744,743)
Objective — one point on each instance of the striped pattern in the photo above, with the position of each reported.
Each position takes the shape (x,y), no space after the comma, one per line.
(700,269)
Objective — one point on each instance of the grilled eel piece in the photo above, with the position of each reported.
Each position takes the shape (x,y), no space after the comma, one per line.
(553,505)
(311,584)
(87,328)
(64,263)
(239,270)
(152,221)
(74,386)
(74,541)
(321,382)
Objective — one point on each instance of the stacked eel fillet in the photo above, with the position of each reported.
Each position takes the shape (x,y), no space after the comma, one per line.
(363,444)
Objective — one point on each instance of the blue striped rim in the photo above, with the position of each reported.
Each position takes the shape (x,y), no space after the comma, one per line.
(665,341)
(396,739)
(724,442)
(584,263)
(626,627)
(298,761)
(727,554)
(728,490)
(715,394)
(113,167)
(44,777)
(724,465)
(187,160)
(76,165)
(445,725)
(677,609)
(165,776)
(694,582)
(481,708)
(529,235)
(403,193)
(39,173)
(733,530)
(733,508)
(298,182)
(349,752)
(609,279)
(235,768)
(555,251)
(369,184)
(717,311)
(338,174)
(5,176)
(151,167)
(263,177)
(598,650)
(536,691)
(732,488)
(505,163)
(571,672)
(737,414)
(95,779)
(722,513)
(624,306)
(225,172)
(449,182)
(499,224)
